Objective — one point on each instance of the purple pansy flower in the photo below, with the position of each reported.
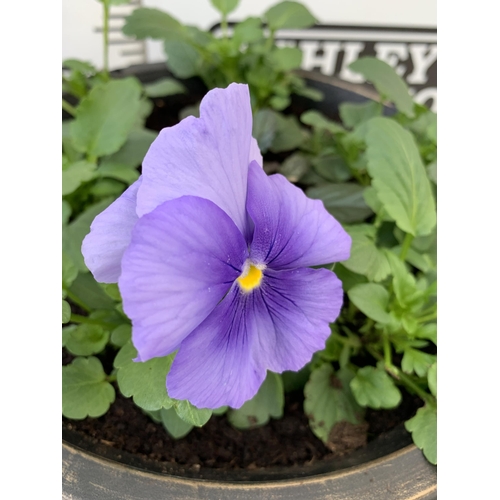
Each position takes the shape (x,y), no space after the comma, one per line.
(211,256)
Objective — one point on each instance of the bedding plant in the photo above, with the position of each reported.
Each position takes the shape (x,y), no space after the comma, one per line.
(216,286)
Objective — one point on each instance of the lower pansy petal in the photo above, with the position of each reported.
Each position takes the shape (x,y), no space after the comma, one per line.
(109,236)
(290,229)
(217,364)
(182,259)
(299,306)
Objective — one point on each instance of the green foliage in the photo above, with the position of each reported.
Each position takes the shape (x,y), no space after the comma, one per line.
(344,201)
(372,300)
(423,427)
(87,339)
(164,87)
(225,6)
(151,23)
(373,387)
(267,403)
(66,312)
(174,425)
(144,381)
(289,15)
(354,114)
(192,415)
(366,258)
(76,174)
(85,391)
(328,400)
(432,379)
(416,361)
(105,117)
(399,176)
(121,335)
(387,82)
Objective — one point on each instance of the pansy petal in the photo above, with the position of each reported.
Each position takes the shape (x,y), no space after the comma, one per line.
(294,324)
(216,364)
(181,261)
(109,236)
(206,157)
(291,230)
(255,154)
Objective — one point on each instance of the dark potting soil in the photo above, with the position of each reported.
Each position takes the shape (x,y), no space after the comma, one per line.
(285,442)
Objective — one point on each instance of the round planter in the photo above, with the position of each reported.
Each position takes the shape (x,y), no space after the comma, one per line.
(388,468)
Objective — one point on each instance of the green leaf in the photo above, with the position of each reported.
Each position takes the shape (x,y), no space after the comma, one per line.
(387,82)
(164,87)
(87,339)
(248,31)
(289,15)
(66,312)
(279,103)
(144,381)
(151,23)
(431,170)
(353,114)
(427,331)
(183,60)
(173,424)
(416,361)
(344,201)
(366,259)
(66,212)
(423,427)
(316,120)
(432,379)
(294,167)
(119,172)
(348,278)
(121,335)
(332,167)
(105,117)
(288,134)
(399,176)
(74,233)
(373,387)
(264,128)
(133,151)
(69,270)
(225,6)
(310,93)
(192,415)
(285,58)
(85,391)
(372,300)
(329,401)
(86,288)
(81,66)
(267,403)
(76,174)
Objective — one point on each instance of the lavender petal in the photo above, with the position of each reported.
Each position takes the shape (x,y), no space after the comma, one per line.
(291,230)
(182,259)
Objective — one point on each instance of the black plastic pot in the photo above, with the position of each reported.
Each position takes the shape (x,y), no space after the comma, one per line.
(388,468)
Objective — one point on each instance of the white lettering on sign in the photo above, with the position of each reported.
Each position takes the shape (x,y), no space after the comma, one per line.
(352,50)
(326,61)
(392,54)
(423,57)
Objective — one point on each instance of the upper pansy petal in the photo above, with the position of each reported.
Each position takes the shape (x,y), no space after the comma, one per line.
(255,154)
(293,320)
(181,261)
(206,157)
(291,230)
(109,236)
(217,364)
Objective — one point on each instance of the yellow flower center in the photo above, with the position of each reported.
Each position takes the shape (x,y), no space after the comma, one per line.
(251,277)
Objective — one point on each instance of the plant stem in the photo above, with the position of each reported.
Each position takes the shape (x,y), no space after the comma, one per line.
(105,35)
(406,246)
(387,350)
(68,108)
(223,25)
(78,301)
